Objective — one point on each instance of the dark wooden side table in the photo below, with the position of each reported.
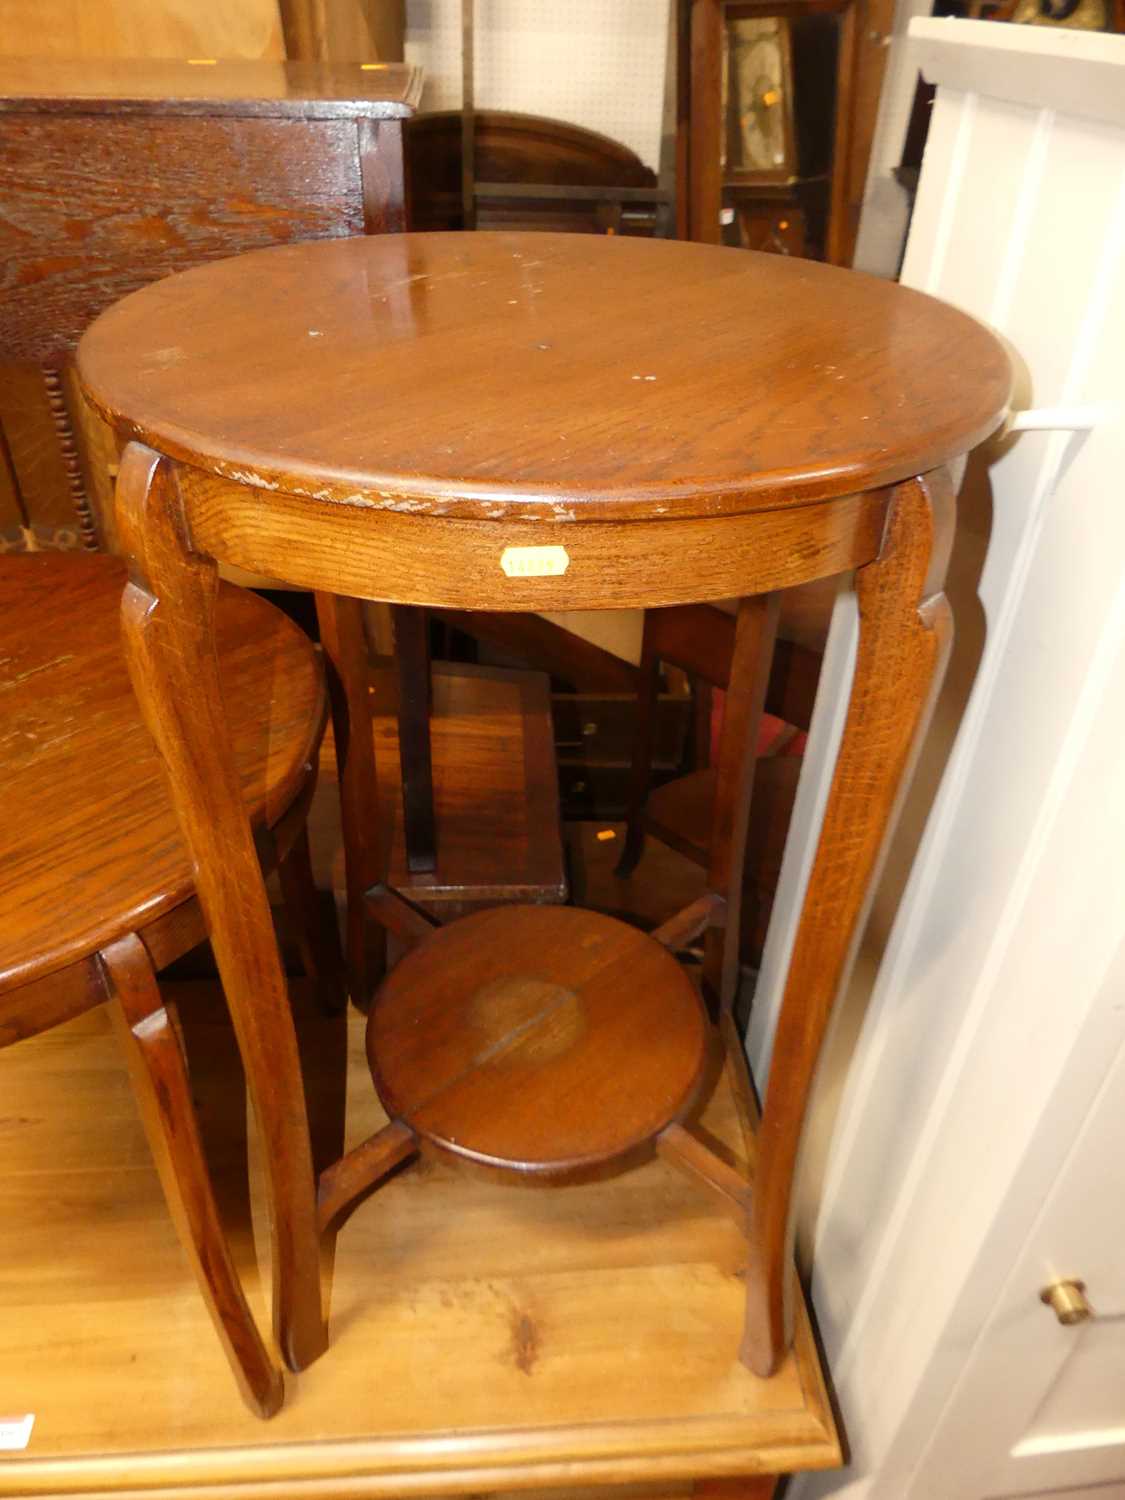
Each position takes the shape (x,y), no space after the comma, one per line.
(115,173)
(523,422)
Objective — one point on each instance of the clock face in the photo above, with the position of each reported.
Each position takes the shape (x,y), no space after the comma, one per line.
(759,97)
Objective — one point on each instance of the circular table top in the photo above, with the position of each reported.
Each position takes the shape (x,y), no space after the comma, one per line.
(540,1039)
(90,847)
(572,376)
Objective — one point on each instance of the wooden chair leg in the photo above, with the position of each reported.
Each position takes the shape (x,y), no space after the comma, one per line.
(904,635)
(344,641)
(412,661)
(168,627)
(312,918)
(755,630)
(640,771)
(157,1067)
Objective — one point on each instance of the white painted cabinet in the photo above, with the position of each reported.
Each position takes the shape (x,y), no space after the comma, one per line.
(977,1084)
(1041,1407)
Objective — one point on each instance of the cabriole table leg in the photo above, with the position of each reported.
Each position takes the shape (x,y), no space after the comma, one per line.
(904,636)
(157,1067)
(168,621)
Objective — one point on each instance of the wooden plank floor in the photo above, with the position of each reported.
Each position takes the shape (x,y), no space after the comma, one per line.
(484,1337)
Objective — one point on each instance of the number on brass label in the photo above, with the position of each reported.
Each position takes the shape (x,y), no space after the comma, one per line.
(534,562)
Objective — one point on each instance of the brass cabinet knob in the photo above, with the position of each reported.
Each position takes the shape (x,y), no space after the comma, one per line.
(1068,1301)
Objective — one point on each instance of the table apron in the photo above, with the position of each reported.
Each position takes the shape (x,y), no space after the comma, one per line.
(374,553)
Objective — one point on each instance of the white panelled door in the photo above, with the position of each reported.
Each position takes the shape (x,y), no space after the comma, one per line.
(979,1149)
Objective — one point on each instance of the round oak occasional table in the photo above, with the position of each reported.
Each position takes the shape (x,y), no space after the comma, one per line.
(541,422)
(96,885)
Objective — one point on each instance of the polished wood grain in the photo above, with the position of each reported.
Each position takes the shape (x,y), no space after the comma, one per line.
(363,1165)
(168,621)
(405,558)
(382,172)
(544,1040)
(262,457)
(549,1042)
(146,1030)
(872,383)
(97,886)
(602,1319)
(71,729)
(904,638)
(114,173)
(163,215)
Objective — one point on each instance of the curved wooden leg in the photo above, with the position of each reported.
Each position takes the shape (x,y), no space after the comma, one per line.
(313,925)
(168,624)
(904,637)
(158,1070)
(344,640)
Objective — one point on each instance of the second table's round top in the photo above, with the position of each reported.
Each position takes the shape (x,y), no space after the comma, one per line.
(571,376)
